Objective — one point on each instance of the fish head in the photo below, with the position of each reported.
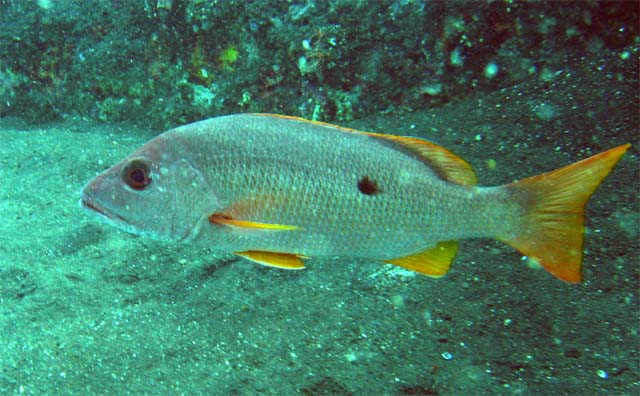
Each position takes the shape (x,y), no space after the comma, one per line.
(155,192)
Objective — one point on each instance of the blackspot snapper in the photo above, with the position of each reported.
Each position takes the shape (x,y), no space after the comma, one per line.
(278,190)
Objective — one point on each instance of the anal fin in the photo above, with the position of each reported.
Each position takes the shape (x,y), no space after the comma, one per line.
(290,261)
(434,262)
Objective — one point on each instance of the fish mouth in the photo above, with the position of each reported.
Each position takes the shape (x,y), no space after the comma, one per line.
(92,206)
(123,224)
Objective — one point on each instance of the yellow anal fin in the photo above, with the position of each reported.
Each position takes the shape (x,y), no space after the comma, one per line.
(274,259)
(434,262)
(221,218)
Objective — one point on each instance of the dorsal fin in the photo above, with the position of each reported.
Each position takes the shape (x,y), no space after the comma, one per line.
(446,164)
(443,162)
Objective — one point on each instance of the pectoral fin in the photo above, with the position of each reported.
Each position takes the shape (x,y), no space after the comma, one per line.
(221,218)
(434,262)
(274,259)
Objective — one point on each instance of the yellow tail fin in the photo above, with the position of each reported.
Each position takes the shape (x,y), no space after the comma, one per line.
(552,231)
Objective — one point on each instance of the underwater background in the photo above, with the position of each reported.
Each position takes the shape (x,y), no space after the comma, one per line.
(515,88)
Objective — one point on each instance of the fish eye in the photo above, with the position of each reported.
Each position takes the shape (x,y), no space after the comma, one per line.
(136,174)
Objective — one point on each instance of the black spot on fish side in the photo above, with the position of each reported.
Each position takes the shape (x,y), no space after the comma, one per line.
(368,186)
(136,174)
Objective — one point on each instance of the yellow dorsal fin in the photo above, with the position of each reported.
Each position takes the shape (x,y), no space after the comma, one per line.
(447,165)
(221,218)
(434,262)
(274,259)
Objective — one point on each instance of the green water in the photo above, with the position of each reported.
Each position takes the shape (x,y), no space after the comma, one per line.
(89,310)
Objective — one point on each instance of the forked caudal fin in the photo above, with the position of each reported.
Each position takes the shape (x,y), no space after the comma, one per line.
(552,229)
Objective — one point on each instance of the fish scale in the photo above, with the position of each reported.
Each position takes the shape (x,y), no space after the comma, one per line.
(350,221)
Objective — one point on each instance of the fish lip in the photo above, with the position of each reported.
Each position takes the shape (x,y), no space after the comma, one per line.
(120,222)
(92,206)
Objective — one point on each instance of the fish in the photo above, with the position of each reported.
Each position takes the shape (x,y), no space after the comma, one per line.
(280,190)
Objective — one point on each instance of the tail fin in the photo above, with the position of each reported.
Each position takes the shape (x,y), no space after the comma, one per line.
(552,231)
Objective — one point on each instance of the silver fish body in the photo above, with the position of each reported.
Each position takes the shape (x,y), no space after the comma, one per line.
(284,171)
